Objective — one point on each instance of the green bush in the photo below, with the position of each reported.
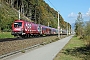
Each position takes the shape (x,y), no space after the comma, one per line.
(87,39)
(87,33)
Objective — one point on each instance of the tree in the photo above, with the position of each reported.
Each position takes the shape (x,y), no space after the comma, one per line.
(79,25)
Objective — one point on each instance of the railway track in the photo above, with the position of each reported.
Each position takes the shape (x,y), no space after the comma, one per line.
(20,38)
(9,39)
(17,38)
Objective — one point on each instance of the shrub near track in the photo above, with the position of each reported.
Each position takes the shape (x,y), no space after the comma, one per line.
(74,50)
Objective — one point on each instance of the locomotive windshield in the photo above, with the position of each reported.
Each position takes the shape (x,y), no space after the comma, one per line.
(17,24)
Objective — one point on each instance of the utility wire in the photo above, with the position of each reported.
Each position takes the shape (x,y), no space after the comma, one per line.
(52,4)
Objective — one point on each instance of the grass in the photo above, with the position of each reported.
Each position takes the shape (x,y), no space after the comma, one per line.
(6,35)
(74,50)
(23,51)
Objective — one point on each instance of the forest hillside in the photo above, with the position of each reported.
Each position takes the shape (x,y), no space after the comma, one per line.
(37,11)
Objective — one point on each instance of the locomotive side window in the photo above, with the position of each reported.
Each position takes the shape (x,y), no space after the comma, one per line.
(17,24)
(39,28)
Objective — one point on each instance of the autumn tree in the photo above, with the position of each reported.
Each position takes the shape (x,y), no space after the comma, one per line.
(79,25)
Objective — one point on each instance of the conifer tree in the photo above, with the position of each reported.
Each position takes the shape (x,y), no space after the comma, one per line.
(79,25)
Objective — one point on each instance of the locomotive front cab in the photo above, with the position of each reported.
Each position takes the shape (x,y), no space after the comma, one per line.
(17,28)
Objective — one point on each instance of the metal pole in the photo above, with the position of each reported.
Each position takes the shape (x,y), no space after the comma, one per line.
(67,29)
(19,15)
(35,13)
(48,24)
(61,32)
(58,26)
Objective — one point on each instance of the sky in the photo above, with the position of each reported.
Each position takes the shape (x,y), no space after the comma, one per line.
(69,9)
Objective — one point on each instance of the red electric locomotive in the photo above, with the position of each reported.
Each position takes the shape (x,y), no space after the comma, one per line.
(25,28)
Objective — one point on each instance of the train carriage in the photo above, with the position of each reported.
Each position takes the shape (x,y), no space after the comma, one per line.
(45,30)
(54,31)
